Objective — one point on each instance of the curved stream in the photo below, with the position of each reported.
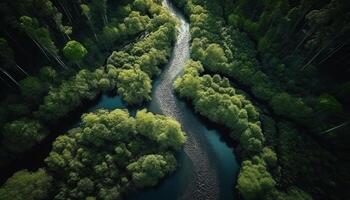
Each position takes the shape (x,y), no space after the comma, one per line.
(207,165)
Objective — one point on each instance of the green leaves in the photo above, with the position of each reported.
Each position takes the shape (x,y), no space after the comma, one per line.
(22,134)
(27,185)
(254,181)
(214,98)
(74,51)
(214,56)
(134,86)
(167,132)
(32,88)
(97,158)
(148,169)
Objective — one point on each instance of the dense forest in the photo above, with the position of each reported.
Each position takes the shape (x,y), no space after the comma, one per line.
(272,76)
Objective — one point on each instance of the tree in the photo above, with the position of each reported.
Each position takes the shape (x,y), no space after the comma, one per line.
(148,169)
(254,181)
(214,57)
(329,104)
(27,185)
(74,51)
(107,146)
(20,135)
(167,132)
(85,11)
(134,85)
(32,88)
(48,74)
(100,9)
(41,37)
(294,108)
(135,22)
(269,157)
(7,60)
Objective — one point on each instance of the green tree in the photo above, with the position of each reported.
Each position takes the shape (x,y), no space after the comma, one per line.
(167,132)
(148,169)
(27,185)
(329,104)
(32,88)
(107,146)
(134,85)
(269,156)
(74,51)
(214,55)
(20,135)
(254,181)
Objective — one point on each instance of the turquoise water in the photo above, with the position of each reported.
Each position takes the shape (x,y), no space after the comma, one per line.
(207,167)
(108,102)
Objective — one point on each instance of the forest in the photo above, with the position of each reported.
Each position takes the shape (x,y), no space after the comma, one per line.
(96,95)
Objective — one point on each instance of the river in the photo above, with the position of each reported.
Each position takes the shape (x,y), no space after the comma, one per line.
(207,164)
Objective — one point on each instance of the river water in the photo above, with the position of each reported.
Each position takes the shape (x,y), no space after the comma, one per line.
(207,165)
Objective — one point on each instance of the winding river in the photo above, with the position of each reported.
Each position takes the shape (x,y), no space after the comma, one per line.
(207,165)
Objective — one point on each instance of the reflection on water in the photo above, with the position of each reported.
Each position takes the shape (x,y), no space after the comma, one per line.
(207,164)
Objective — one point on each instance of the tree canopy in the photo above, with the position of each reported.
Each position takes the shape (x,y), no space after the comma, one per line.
(108,154)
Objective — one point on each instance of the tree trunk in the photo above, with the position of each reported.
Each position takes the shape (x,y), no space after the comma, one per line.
(21,69)
(334,128)
(9,76)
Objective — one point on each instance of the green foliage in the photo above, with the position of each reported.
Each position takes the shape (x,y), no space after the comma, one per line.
(22,134)
(254,181)
(40,35)
(298,149)
(163,130)
(329,104)
(6,53)
(91,160)
(149,169)
(285,105)
(48,74)
(32,88)
(214,56)
(214,98)
(70,94)
(292,193)
(27,185)
(269,156)
(134,86)
(74,51)
(135,22)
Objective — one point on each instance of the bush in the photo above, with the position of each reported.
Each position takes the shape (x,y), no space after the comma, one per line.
(91,160)
(27,185)
(254,181)
(21,135)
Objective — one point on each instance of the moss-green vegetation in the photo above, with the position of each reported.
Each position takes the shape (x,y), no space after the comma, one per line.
(110,153)
(253,44)
(291,122)
(141,33)
(56,56)
(27,185)
(214,98)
